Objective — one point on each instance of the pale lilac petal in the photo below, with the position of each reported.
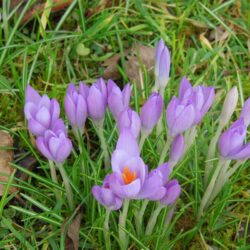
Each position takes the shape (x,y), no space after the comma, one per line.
(83,90)
(35,127)
(159,48)
(165,171)
(177,148)
(126,92)
(185,87)
(63,150)
(30,110)
(117,160)
(69,107)
(43,117)
(81,112)
(245,112)
(172,193)
(54,110)
(243,153)
(43,148)
(31,95)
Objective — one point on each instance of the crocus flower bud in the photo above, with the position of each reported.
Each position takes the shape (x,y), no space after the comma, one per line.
(55,145)
(41,112)
(75,107)
(97,100)
(173,191)
(129,119)
(105,195)
(151,112)
(181,115)
(245,112)
(231,142)
(162,65)
(229,106)
(118,100)
(177,148)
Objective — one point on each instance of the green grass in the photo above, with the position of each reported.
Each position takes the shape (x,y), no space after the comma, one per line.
(49,63)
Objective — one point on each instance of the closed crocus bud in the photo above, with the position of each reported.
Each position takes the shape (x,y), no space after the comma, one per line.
(105,195)
(231,142)
(177,148)
(181,116)
(229,106)
(118,100)
(162,65)
(245,112)
(151,112)
(55,145)
(40,111)
(97,100)
(75,107)
(173,191)
(129,119)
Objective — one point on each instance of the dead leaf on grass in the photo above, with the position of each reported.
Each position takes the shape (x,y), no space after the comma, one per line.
(6,157)
(136,58)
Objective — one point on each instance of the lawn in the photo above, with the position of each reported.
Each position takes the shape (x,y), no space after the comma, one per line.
(209,43)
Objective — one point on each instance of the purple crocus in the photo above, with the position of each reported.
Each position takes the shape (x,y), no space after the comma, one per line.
(189,108)
(129,170)
(154,186)
(231,142)
(76,106)
(151,112)
(245,112)
(106,196)
(162,65)
(40,111)
(173,191)
(177,148)
(54,144)
(97,100)
(118,100)
(129,119)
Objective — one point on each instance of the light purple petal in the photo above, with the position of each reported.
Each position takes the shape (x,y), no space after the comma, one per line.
(185,88)
(83,90)
(35,127)
(70,109)
(30,110)
(159,48)
(54,110)
(172,193)
(63,150)
(118,159)
(31,95)
(245,112)
(40,143)
(177,148)
(43,117)
(81,111)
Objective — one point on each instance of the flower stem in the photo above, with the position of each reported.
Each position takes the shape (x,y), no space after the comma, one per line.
(139,217)
(210,156)
(152,220)
(165,150)
(122,225)
(144,136)
(106,230)
(210,187)
(54,178)
(68,189)
(103,144)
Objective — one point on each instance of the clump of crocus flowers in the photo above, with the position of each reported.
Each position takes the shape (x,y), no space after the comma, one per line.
(129,177)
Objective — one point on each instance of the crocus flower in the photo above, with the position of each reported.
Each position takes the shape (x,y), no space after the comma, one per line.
(40,111)
(151,112)
(189,108)
(129,119)
(162,65)
(154,186)
(97,100)
(245,112)
(75,107)
(177,148)
(118,100)
(231,142)
(54,144)
(173,191)
(105,195)
(129,170)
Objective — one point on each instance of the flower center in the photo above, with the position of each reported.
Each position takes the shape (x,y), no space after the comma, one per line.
(128,176)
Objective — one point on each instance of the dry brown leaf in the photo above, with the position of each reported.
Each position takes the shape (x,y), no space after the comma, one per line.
(219,34)
(136,58)
(6,156)
(73,230)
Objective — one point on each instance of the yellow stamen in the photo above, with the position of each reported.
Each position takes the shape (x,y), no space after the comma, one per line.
(128,176)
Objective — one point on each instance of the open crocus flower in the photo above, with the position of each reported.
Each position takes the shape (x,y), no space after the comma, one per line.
(97,100)
(173,191)
(106,196)
(40,111)
(129,170)
(189,108)
(231,142)
(162,65)
(118,100)
(129,119)
(54,144)
(154,185)
(76,106)
(151,112)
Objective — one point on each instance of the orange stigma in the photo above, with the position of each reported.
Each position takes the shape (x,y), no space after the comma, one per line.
(128,176)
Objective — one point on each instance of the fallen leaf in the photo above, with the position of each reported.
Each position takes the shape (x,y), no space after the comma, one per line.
(73,230)
(6,157)
(218,35)
(136,58)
